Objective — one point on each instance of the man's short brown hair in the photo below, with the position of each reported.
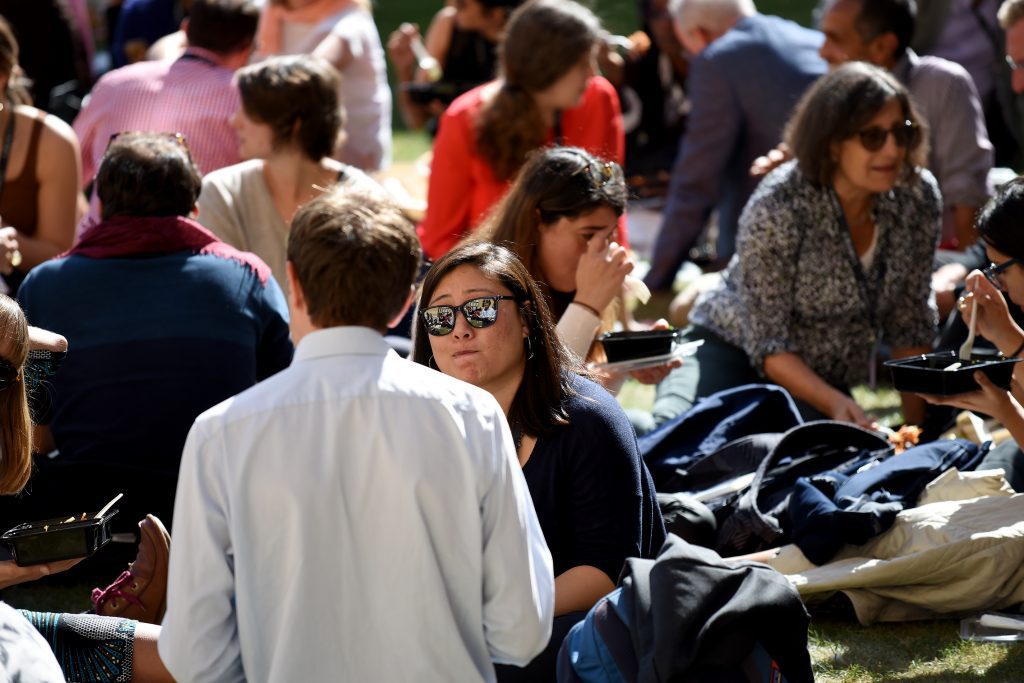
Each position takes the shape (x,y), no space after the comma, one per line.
(355,256)
(147,174)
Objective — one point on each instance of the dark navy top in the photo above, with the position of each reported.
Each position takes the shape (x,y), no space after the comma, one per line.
(153,341)
(593,494)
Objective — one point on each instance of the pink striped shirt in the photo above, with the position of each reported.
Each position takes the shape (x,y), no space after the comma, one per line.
(192,95)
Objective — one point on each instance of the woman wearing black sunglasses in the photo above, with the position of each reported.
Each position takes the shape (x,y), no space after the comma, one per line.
(833,257)
(482,319)
(999,230)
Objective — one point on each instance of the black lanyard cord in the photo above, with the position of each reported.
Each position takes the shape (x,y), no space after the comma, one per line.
(5,155)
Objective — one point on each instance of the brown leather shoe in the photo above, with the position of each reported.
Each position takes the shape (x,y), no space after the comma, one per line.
(141,592)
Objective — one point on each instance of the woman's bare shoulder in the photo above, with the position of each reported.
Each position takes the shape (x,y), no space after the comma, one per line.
(56,134)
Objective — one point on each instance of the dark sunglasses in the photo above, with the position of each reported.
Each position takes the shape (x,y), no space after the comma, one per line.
(993,271)
(600,172)
(479,313)
(8,374)
(905,134)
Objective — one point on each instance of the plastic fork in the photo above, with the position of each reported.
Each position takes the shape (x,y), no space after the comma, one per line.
(968,346)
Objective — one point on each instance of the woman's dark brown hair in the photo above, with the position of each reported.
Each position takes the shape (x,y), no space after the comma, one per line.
(16,439)
(543,40)
(539,404)
(837,107)
(555,183)
(17,85)
(998,221)
(297,96)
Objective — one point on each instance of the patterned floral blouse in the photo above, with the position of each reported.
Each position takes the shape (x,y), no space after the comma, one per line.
(793,284)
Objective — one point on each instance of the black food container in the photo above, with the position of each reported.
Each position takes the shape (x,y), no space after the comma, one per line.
(620,346)
(927,374)
(57,539)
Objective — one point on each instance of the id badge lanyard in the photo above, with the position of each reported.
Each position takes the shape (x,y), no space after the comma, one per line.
(868,297)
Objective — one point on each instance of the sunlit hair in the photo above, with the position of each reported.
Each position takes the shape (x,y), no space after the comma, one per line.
(1010,12)
(16,439)
(539,403)
(17,85)
(837,107)
(543,41)
(999,220)
(555,183)
(355,256)
(712,15)
(297,96)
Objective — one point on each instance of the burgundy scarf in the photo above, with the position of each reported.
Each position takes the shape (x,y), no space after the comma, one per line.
(127,236)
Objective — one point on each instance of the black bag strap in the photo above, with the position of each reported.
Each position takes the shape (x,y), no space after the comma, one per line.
(5,154)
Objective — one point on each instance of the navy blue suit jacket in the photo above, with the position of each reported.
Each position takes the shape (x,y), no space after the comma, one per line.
(743,87)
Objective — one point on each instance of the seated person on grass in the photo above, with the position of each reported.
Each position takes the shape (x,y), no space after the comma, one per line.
(990,290)
(165,321)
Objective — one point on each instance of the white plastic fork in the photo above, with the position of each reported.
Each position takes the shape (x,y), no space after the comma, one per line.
(968,346)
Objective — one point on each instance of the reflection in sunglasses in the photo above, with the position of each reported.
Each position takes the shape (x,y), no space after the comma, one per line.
(479,312)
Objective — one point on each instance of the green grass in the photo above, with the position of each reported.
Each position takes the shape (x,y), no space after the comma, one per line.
(922,652)
(409,145)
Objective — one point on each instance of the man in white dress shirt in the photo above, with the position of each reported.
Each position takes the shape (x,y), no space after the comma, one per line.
(355,517)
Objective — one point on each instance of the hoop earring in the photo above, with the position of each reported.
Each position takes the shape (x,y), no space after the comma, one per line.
(529,349)
(434,366)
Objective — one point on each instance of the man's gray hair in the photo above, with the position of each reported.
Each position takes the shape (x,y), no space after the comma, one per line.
(717,16)
(1010,12)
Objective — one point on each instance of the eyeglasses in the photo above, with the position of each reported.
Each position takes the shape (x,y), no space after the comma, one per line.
(1014,64)
(993,271)
(8,374)
(905,134)
(480,312)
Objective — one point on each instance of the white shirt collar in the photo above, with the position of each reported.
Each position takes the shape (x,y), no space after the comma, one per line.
(336,341)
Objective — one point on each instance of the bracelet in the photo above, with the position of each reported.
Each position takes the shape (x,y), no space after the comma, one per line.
(598,315)
(1016,353)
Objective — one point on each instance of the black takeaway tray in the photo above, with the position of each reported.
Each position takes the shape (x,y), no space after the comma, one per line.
(939,373)
(62,538)
(621,346)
